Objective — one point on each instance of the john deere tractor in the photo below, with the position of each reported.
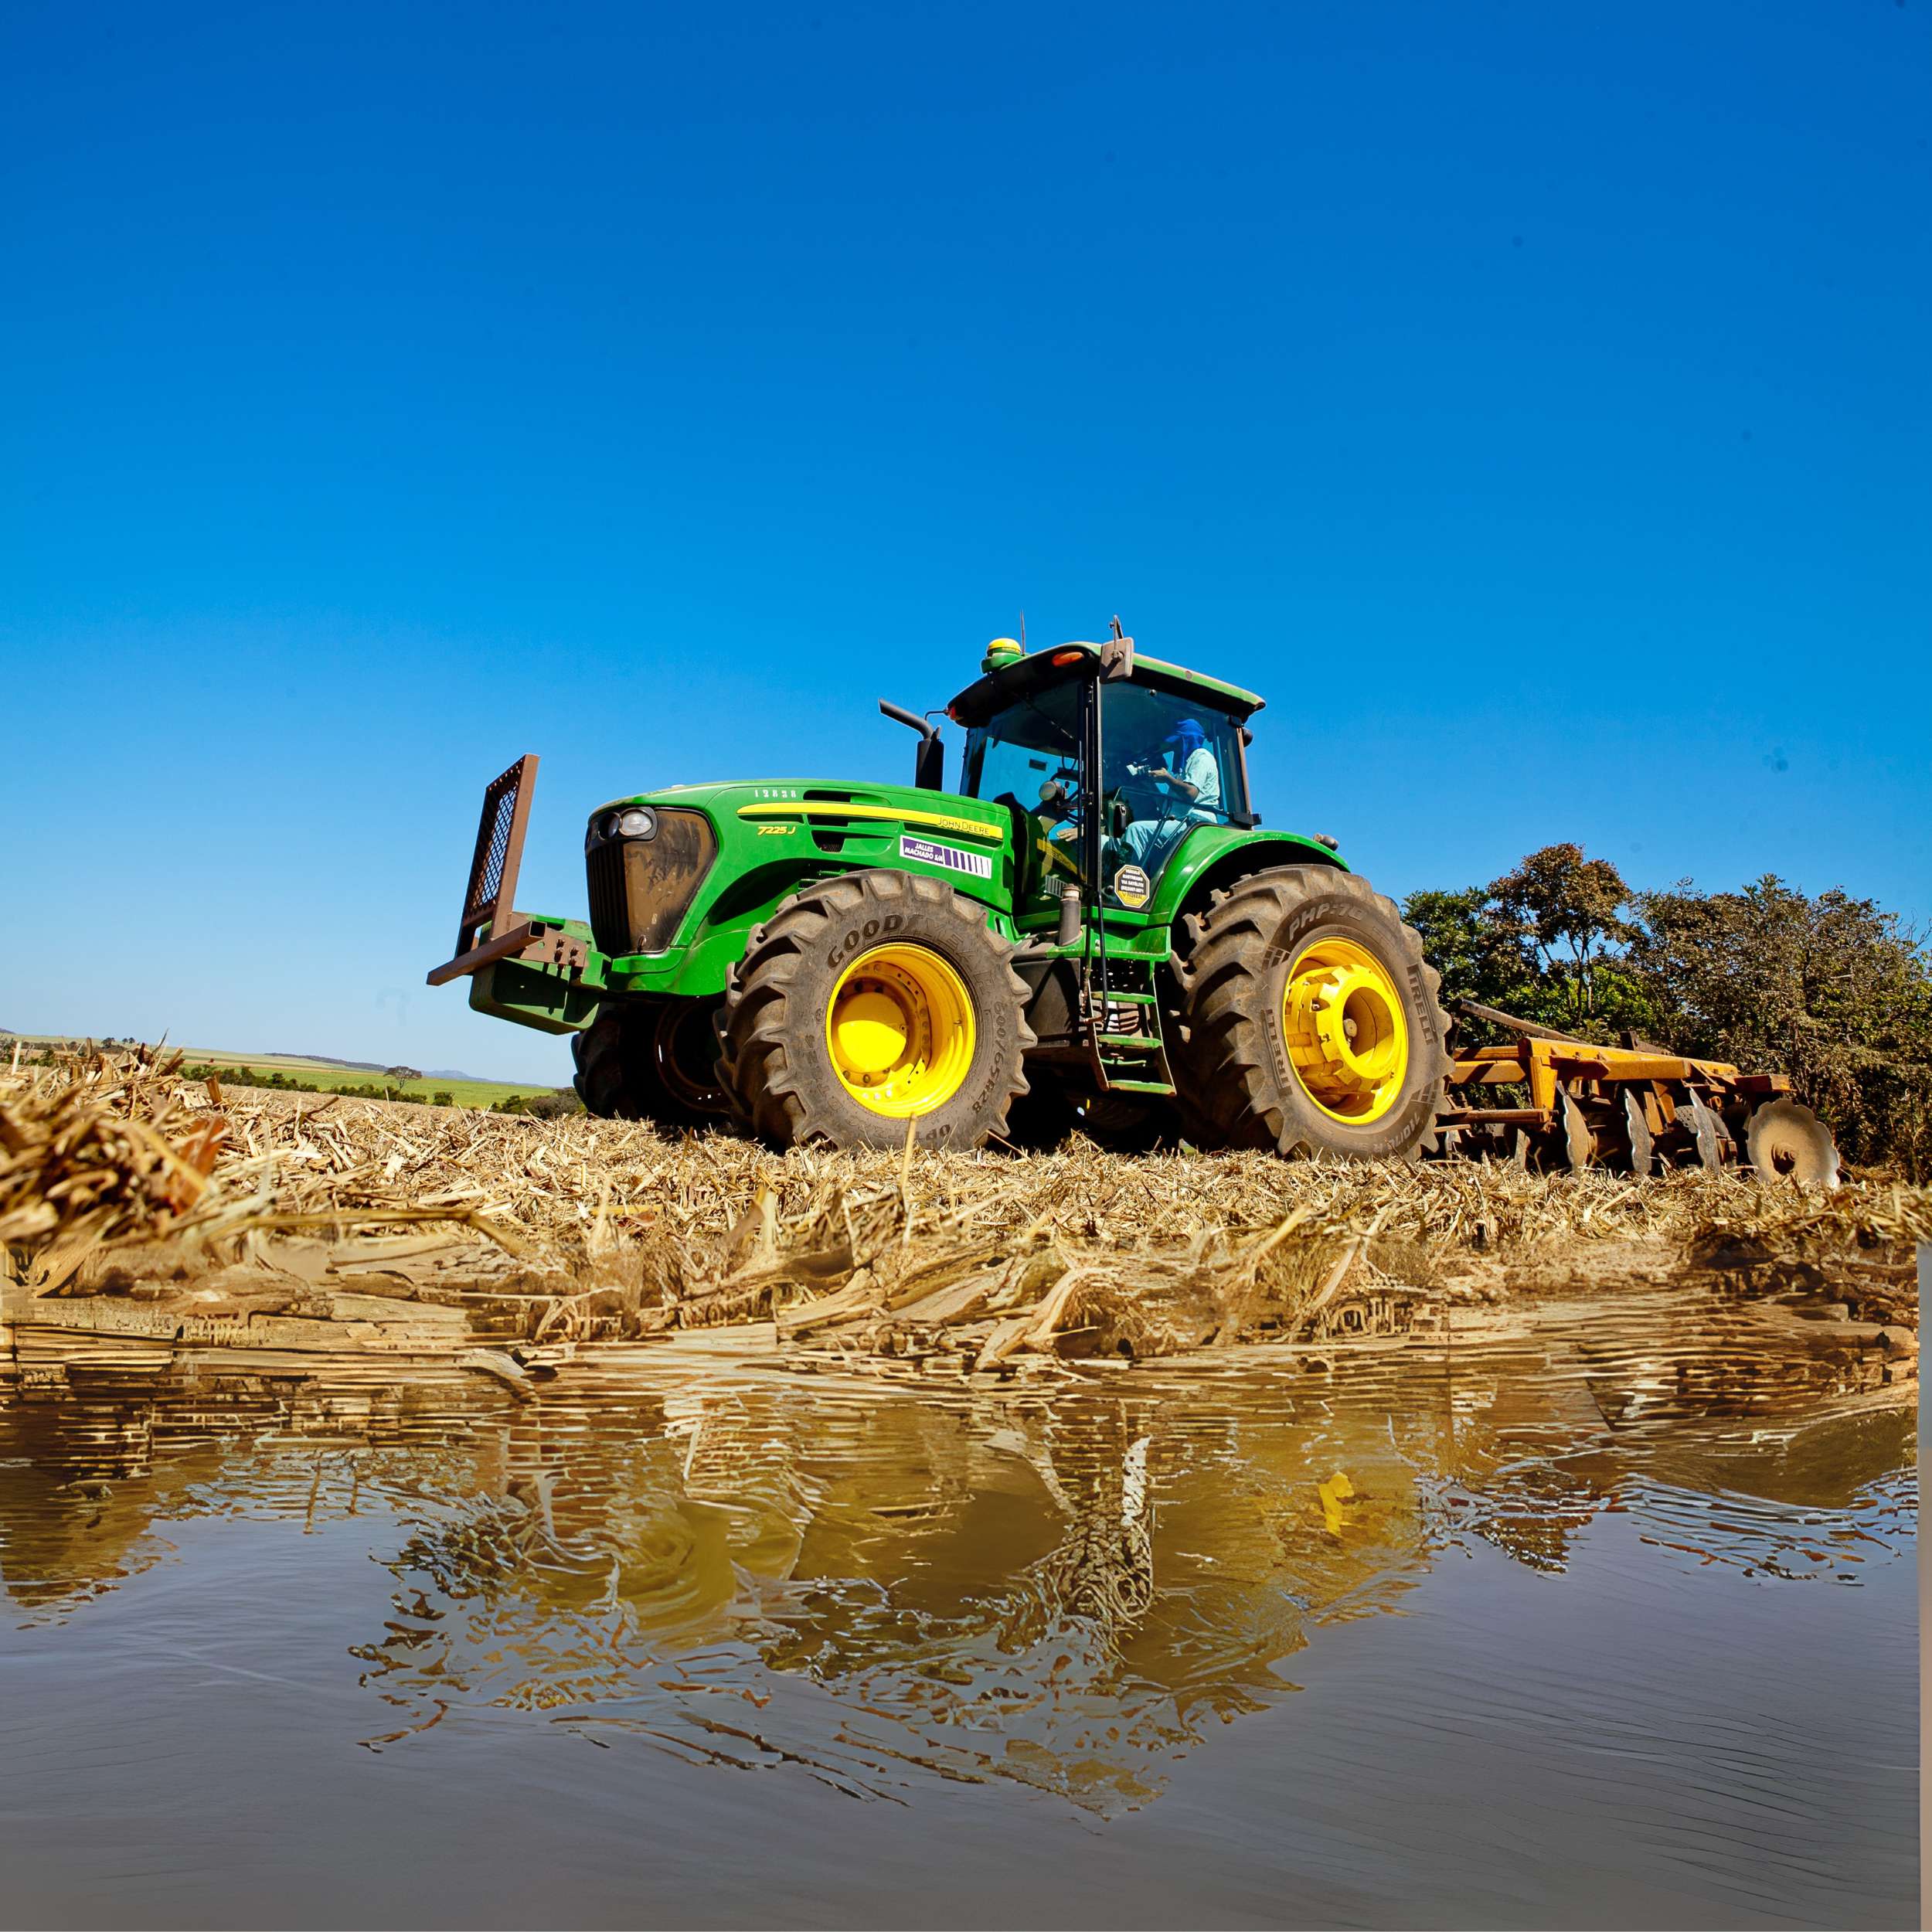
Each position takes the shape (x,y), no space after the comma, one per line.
(1091,928)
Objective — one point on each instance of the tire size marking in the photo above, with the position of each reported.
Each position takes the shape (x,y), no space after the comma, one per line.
(975,865)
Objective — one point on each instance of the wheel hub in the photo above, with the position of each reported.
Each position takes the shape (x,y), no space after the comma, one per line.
(899,1030)
(1347,1037)
(874,1030)
(685,1050)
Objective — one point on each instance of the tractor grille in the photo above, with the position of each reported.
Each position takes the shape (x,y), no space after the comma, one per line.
(642,888)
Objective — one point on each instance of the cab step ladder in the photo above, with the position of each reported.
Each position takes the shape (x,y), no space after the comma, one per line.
(1125,1062)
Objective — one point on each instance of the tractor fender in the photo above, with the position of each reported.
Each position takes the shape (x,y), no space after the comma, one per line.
(1215,856)
(717,929)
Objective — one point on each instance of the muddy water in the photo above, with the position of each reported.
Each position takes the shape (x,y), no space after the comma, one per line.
(1596,1626)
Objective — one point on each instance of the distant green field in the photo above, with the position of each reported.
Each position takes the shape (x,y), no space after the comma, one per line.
(332,1079)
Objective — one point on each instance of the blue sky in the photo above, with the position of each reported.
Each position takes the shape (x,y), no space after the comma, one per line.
(1532,402)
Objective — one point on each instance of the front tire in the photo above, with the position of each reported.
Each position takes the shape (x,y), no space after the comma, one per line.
(870,1004)
(1310,1020)
(652,1061)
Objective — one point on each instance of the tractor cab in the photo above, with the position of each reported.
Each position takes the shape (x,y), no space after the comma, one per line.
(1110,761)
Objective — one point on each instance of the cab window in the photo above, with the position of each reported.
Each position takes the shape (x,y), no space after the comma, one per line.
(1028,757)
(1168,763)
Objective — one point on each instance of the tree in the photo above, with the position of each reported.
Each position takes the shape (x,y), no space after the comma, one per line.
(1464,942)
(1545,942)
(1564,912)
(400,1074)
(1833,991)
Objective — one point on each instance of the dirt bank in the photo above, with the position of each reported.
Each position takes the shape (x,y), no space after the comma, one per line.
(142,1214)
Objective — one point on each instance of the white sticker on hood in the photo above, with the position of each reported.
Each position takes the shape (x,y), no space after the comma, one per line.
(975,865)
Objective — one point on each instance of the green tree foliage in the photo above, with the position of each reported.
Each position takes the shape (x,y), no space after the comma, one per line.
(1477,958)
(1545,942)
(1832,990)
(1562,912)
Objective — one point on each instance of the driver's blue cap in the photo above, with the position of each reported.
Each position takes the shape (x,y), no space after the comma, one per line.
(1188,728)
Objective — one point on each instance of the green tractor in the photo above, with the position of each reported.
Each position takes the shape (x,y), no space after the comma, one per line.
(1092,931)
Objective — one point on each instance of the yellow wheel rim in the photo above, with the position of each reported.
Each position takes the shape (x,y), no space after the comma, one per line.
(1347,1035)
(900,1030)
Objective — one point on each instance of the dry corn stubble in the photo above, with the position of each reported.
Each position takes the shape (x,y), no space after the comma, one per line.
(117,1177)
(98,1148)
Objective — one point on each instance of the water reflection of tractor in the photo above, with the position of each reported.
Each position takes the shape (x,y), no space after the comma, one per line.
(1064,1595)
(1093,927)
(979,1589)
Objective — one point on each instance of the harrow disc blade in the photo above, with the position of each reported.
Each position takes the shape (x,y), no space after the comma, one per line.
(1642,1145)
(1579,1144)
(1704,1130)
(1787,1141)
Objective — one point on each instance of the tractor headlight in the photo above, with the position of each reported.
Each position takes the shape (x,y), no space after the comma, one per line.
(639,822)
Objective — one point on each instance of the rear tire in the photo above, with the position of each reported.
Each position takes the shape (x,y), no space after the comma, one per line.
(1277,968)
(652,1061)
(902,959)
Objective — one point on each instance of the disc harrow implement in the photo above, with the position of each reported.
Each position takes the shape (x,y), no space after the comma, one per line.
(1633,1109)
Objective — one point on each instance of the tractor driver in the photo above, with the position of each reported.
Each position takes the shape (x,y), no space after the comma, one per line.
(1191,797)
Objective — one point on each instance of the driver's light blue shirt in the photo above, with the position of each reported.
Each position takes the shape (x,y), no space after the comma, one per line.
(1203,771)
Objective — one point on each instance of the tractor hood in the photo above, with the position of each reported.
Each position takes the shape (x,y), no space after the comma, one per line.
(678,877)
(820,803)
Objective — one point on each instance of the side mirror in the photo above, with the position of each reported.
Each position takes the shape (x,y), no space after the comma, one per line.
(929,764)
